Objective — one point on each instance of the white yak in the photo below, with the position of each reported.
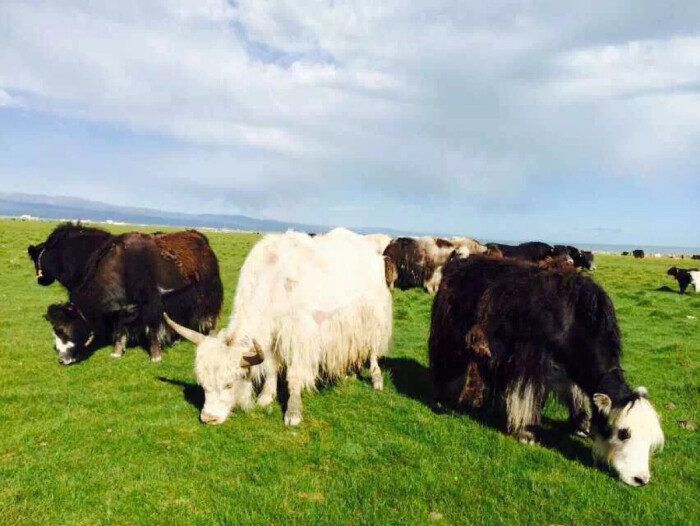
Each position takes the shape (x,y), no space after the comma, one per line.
(315,307)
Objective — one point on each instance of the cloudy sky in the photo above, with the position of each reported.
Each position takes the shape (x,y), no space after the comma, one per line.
(504,119)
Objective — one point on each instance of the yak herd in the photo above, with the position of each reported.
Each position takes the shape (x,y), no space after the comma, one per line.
(510,325)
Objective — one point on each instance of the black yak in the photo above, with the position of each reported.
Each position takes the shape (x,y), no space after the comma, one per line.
(119,287)
(505,334)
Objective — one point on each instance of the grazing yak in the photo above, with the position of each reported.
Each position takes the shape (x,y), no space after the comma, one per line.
(125,286)
(418,261)
(522,333)
(310,306)
(639,254)
(686,277)
(532,251)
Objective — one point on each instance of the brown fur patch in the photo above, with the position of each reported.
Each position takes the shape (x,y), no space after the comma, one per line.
(494,252)
(556,264)
(443,243)
(473,393)
(477,342)
(186,249)
(391,273)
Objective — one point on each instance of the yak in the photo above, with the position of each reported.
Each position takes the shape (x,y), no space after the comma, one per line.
(521,333)
(119,288)
(418,261)
(315,307)
(685,277)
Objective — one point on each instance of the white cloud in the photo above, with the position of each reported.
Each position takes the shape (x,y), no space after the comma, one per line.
(400,101)
(7,100)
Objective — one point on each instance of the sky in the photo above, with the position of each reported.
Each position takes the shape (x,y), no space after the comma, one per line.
(516,120)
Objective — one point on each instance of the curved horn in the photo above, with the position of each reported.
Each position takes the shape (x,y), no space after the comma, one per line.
(255,358)
(186,333)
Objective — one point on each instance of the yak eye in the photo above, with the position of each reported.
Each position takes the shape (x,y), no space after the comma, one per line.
(229,385)
(624,434)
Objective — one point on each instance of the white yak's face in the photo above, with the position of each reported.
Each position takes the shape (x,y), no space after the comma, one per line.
(225,381)
(222,366)
(632,433)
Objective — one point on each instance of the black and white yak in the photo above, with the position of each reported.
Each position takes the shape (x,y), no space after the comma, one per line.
(508,334)
(582,259)
(119,287)
(686,277)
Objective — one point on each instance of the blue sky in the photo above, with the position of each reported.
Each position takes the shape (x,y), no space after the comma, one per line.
(508,120)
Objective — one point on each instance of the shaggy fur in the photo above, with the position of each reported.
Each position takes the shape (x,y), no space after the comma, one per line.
(391,273)
(530,332)
(316,307)
(639,254)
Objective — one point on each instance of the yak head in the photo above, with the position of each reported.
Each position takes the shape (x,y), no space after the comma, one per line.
(44,263)
(73,333)
(625,436)
(223,365)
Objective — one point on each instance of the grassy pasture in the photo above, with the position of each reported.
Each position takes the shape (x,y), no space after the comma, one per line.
(119,442)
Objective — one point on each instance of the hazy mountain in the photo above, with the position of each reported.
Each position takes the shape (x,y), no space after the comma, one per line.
(58,207)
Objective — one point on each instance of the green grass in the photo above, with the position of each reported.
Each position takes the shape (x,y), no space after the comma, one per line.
(119,442)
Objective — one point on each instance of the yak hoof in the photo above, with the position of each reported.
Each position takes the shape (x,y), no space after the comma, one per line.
(292,418)
(581,433)
(378,383)
(157,358)
(117,354)
(526,437)
(265,399)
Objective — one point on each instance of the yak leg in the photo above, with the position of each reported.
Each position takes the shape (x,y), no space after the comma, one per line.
(119,344)
(295,384)
(579,407)
(376,372)
(524,401)
(269,389)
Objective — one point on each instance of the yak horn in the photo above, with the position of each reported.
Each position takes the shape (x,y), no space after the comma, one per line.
(256,358)
(193,336)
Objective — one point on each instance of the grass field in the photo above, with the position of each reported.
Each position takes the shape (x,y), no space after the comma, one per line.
(119,442)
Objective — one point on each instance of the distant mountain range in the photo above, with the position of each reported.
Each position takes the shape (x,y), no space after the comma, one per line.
(73,208)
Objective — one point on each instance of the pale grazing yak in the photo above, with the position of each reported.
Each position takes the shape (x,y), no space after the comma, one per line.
(311,306)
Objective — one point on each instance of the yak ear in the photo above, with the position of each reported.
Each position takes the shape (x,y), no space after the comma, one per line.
(56,313)
(642,392)
(603,403)
(31,250)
